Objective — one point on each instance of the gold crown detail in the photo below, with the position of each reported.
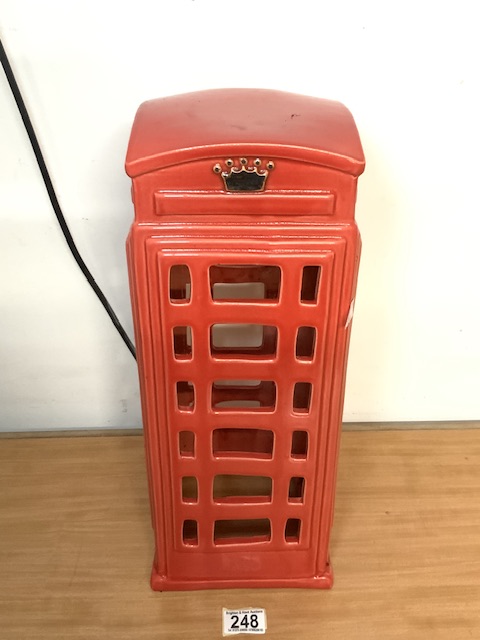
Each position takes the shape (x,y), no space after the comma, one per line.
(244,177)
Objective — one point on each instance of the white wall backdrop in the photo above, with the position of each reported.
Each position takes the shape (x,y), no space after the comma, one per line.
(409,73)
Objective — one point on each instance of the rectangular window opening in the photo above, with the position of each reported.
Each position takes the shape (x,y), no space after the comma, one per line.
(239,394)
(186,444)
(310,282)
(189,489)
(237,340)
(240,489)
(238,291)
(185,396)
(180,284)
(292,530)
(296,489)
(247,443)
(244,282)
(301,397)
(299,444)
(190,533)
(242,531)
(182,343)
(305,345)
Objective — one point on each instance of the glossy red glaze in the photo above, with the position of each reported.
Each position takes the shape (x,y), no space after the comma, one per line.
(242,305)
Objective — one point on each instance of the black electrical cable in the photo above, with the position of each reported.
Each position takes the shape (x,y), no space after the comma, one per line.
(54,200)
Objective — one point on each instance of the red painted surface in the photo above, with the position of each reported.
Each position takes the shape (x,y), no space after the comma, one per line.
(241,306)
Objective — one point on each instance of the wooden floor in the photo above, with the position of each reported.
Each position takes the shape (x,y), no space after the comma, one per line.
(76,546)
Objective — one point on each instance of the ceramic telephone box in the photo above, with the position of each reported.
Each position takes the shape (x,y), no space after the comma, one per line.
(243,259)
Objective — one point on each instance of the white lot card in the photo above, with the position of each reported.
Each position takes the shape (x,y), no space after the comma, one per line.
(237,621)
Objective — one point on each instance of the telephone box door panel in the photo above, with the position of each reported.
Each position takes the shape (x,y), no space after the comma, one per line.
(246,338)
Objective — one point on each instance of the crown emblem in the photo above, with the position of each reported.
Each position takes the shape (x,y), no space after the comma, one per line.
(244,177)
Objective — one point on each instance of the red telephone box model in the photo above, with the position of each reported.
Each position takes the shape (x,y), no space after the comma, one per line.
(243,259)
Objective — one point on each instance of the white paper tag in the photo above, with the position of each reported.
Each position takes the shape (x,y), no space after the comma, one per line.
(244,621)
